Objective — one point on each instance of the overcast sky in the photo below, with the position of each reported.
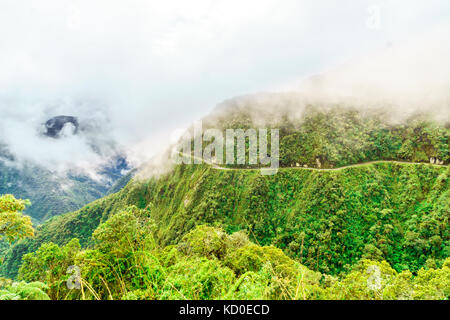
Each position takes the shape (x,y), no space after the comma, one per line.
(153,66)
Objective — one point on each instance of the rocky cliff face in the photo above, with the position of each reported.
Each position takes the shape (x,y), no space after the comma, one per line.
(56,125)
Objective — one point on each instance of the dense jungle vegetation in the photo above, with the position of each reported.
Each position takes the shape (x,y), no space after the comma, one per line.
(52,193)
(374,231)
(49,194)
(334,135)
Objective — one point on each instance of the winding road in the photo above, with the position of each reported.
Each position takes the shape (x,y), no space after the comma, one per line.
(218,167)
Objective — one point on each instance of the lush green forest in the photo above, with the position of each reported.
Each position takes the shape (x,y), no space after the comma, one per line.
(51,195)
(336,135)
(373,231)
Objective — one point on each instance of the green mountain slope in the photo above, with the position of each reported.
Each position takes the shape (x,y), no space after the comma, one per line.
(49,194)
(336,134)
(326,220)
(54,193)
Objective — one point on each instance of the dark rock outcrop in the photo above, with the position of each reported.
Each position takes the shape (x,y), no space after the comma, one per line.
(56,124)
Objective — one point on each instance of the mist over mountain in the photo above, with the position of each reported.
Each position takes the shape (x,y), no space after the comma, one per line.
(59,189)
(89,135)
(137,81)
(96,97)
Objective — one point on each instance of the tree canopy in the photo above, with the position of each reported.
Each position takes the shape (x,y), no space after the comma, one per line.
(13,224)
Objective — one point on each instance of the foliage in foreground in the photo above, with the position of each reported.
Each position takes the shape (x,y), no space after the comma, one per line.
(22,290)
(14,225)
(127,263)
(325,220)
(368,232)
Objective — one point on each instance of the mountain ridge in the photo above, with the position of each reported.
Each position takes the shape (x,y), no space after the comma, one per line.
(391,192)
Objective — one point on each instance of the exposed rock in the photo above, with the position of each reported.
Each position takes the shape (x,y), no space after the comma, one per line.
(56,124)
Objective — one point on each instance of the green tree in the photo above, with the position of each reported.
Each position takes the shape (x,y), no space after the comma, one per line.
(49,264)
(22,290)
(14,225)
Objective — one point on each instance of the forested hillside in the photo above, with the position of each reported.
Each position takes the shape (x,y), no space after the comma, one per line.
(53,193)
(337,134)
(301,233)
(49,194)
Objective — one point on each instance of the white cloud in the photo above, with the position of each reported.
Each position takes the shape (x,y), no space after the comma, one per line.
(144,68)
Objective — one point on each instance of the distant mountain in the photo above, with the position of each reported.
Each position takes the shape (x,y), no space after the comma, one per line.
(51,194)
(374,194)
(54,193)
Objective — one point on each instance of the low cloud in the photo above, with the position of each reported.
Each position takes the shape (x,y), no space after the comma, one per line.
(135,73)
